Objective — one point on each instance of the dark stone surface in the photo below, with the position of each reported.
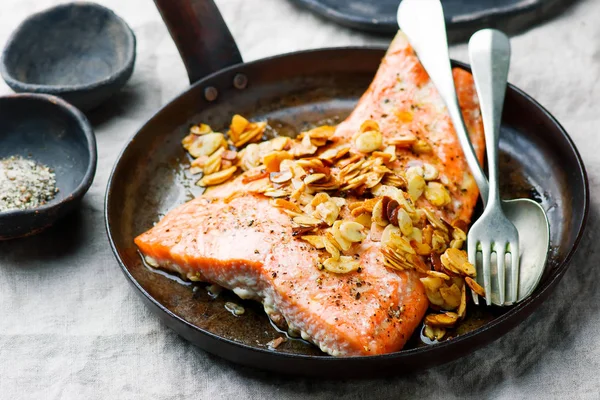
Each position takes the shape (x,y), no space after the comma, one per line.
(56,134)
(82,52)
(464,17)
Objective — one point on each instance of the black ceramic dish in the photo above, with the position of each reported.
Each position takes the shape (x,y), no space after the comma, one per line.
(82,52)
(149,179)
(54,133)
(464,16)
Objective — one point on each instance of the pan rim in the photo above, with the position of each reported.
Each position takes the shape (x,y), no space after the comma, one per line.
(504,319)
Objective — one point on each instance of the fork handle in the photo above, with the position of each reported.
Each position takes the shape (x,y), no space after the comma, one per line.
(489,51)
(423,23)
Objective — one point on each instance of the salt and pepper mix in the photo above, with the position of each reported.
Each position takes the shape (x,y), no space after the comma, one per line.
(25,184)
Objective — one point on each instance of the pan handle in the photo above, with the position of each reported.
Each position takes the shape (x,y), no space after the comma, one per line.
(201,35)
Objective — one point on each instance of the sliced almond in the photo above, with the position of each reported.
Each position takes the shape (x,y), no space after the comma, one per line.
(437,274)
(331,248)
(415,186)
(369,125)
(341,240)
(475,287)
(280,177)
(273,160)
(327,212)
(238,125)
(313,178)
(317,241)
(343,265)
(205,145)
(437,194)
(287,205)
(430,172)
(352,231)
(462,308)
(369,141)
(200,129)
(451,295)
(457,261)
(364,220)
(445,320)
(305,220)
(434,332)
(422,147)
(217,178)
(319,198)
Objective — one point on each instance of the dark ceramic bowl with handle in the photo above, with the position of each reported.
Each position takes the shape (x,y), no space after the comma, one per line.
(82,52)
(50,131)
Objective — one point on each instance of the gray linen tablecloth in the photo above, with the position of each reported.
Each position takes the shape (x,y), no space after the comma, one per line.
(71,327)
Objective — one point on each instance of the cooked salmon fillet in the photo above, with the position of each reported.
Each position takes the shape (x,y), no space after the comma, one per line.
(247,245)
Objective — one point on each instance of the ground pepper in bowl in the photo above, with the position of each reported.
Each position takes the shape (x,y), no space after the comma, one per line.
(25,184)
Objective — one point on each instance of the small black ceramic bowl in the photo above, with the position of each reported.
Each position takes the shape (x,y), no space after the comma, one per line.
(82,52)
(50,131)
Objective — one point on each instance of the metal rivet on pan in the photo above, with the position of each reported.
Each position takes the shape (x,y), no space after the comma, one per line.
(240,81)
(211,93)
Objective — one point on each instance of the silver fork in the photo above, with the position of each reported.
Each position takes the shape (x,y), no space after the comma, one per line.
(489,51)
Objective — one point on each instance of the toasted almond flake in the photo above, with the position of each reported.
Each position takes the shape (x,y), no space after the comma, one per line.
(205,145)
(328,212)
(434,333)
(288,205)
(435,220)
(432,289)
(445,320)
(217,177)
(238,125)
(364,220)
(305,147)
(305,220)
(462,308)
(319,198)
(376,232)
(403,141)
(379,216)
(343,265)
(369,125)
(317,241)
(391,150)
(458,234)
(475,287)
(273,160)
(213,163)
(352,231)
(438,242)
(422,147)
(437,274)
(251,157)
(457,244)
(275,193)
(313,178)
(430,172)
(451,295)
(457,261)
(386,236)
(341,240)
(416,185)
(280,177)
(369,141)
(437,194)
(200,129)
(279,143)
(331,248)
(321,132)
(404,222)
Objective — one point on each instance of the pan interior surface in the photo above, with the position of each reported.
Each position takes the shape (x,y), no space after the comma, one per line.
(151,175)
